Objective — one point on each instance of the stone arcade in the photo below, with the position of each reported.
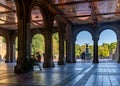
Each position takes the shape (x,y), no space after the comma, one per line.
(25,18)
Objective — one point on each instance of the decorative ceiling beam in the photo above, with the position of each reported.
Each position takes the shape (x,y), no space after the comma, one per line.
(90,15)
(3,20)
(9,23)
(6,12)
(37,23)
(5,6)
(93,12)
(77,2)
(37,20)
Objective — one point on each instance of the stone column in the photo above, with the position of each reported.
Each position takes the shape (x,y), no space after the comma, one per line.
(7,56)
(48,57)
(95,53)
(61,31)
(118,51)
(23,62)
(68,51)
(12,46)
(61,49)
(73,52)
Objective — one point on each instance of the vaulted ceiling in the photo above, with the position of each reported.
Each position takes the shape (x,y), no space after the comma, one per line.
(8,16)
(90,11)
(75,11)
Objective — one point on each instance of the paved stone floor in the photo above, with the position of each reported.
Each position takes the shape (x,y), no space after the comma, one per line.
(106,73)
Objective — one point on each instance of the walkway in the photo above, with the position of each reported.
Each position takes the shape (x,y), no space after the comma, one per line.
(106,73)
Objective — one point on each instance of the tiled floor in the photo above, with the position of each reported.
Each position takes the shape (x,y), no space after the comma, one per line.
(106,73)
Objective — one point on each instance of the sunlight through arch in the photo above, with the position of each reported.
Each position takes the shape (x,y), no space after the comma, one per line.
(3,48)
(55,38)
(107,44)
(38,44)
(107,36)
(82,38)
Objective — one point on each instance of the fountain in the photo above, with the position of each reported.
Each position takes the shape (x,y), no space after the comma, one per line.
(87,53)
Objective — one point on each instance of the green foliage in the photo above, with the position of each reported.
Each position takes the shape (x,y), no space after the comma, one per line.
(55,44)
(55,37)
(77,50)
(112,46)
(3,40)
(104,50)
(38,44)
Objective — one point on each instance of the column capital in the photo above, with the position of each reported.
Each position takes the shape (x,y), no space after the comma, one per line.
(95,40)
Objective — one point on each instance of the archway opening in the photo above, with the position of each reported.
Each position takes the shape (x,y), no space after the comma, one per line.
(55,39)
(38,45)
(37,26)
(84,46)
(107,44)
(3,49)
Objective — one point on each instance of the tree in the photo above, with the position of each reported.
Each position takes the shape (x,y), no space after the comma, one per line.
(77,50)
(55,44)
(38,44)
(112,46)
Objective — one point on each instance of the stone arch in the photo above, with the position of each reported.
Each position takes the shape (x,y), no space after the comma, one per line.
(37,39)
(5,34)
(115,29)
(38,4)
(44,11)
(83,28)
(111,27)
(36,31)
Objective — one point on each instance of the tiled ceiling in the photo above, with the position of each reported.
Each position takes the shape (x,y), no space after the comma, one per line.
(89,11)
(76,11)
(8,18)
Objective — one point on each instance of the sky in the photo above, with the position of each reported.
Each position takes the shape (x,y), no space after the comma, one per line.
(107,36)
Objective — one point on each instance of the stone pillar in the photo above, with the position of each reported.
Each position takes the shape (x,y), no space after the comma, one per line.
(68,51)
(73,52)
(61,30)
(118,51)
(12,46)
(69,42)
(95,53)
(23,61)
(7,56)
(48,57)
(61,49)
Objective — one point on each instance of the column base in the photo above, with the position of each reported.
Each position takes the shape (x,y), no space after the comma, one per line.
(95,61)
(24,65)
(23,68)
(61,63)
(69,61)
(74,61)
(6,61)
(48,65)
